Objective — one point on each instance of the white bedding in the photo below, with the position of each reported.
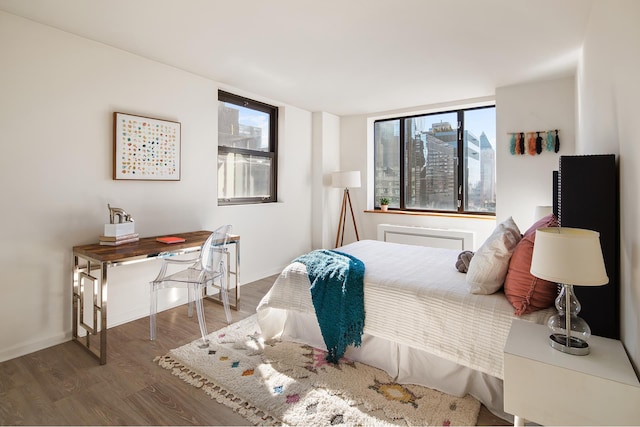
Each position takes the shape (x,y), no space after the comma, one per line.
(414,296)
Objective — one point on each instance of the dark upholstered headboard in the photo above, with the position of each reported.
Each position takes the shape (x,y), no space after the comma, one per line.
(587,197)
(555,193)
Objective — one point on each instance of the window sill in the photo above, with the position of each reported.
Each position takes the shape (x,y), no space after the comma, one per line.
(446,215)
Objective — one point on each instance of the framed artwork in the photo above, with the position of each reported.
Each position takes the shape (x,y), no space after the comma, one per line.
(145,148)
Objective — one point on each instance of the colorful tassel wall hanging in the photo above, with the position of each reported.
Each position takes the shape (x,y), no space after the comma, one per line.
(534,143)
(531,145)
(551,142)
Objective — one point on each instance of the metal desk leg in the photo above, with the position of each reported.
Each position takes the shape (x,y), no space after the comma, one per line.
(237,275)
(74,298)
(103,314)
(82,276)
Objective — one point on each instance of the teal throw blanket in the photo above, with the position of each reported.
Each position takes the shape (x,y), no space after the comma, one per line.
(337,292)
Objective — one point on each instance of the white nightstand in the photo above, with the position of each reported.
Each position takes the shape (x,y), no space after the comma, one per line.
(549,387)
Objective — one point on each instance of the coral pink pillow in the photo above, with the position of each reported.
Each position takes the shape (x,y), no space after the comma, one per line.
(547,221)
(524,291)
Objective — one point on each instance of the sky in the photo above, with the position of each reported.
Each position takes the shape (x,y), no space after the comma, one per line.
(254,118)
(477,121)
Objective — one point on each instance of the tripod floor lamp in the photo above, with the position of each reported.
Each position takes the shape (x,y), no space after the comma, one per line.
(345,180)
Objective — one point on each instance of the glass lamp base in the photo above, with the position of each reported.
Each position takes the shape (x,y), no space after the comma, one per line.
(575,346)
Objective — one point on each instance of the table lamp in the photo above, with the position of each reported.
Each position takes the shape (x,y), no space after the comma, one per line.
(570,257)
(346,180)
(541,211)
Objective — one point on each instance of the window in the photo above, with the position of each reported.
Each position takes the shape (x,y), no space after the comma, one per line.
(247,150)
(441,162)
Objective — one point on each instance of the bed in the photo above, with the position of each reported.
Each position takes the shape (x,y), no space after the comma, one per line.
(422,325)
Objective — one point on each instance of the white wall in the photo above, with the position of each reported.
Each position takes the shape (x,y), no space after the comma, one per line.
(59,93)
(525,181)
(326,160)
(608,112)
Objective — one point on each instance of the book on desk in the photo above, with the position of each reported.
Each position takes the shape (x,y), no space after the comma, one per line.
(119,240)
(170,239)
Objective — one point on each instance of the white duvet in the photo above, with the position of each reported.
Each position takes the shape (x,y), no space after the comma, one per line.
(415,296)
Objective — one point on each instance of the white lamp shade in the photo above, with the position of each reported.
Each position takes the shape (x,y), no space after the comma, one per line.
(541,211)
(569,256)
(350,179)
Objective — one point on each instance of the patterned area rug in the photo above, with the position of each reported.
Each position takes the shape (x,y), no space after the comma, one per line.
(292,384)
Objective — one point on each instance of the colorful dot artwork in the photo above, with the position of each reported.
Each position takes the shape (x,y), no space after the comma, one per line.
(147,148)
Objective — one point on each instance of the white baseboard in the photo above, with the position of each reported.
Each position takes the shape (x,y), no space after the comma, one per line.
(32,346)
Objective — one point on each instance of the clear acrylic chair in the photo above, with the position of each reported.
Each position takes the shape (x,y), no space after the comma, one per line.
(201,273)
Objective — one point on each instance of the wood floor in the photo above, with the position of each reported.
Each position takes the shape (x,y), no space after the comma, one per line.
(64,385)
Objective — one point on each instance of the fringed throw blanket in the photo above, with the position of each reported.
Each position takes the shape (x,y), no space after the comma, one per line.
(337,292)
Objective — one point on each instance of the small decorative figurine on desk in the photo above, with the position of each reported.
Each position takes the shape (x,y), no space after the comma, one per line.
(120,213)
(120,230)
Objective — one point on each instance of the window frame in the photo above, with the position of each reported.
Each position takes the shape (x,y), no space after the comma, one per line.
(271,153)
(460,171)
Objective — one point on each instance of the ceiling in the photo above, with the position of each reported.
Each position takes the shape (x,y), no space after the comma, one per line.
(339,56)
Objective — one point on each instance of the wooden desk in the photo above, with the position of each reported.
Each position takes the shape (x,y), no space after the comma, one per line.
(100,257)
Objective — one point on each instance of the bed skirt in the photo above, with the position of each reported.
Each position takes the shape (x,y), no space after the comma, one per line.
(406,364)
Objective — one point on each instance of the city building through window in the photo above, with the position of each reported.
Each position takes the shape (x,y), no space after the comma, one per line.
(440,162)
(247,150)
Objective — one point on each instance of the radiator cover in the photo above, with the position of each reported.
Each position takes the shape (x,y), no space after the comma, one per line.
(425,236)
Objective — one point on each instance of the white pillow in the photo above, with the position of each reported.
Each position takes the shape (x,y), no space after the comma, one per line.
(489,265)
